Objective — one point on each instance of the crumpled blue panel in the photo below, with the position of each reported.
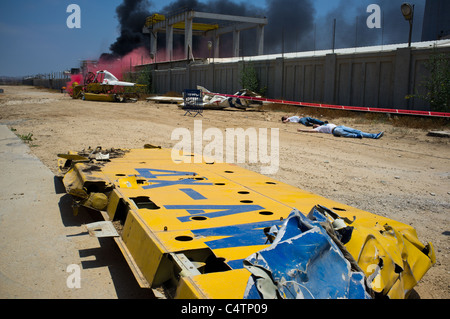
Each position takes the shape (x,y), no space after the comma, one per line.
(303,262)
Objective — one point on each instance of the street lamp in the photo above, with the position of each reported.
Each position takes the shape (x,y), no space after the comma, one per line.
(408,14)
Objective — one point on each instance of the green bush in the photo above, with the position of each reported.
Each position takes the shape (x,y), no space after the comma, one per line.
(437,86)
(145,78)
(249,78)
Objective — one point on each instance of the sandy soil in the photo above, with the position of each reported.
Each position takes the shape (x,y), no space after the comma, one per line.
(404,176)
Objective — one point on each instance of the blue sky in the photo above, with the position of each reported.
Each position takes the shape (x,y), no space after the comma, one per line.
(35,39)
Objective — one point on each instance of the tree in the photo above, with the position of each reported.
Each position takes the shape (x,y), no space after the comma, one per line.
(145,78)
(249,78)
(437,85)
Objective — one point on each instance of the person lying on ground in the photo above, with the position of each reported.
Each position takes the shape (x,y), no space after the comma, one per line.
(307,121)
(341,130)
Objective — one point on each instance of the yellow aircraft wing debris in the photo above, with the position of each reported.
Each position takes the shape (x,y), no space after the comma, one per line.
(189,226)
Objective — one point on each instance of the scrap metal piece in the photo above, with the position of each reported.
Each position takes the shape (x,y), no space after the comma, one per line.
(303,263)
(84,176)
(101,157)
(439,133)
(65,161)
(74,157)
(390,254)
(97,201)
(102,229)
(187,267)
(148,145)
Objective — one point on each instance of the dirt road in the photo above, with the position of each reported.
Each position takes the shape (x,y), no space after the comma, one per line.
(404,176)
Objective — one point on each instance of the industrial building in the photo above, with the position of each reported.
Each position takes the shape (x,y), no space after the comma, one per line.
(211,25)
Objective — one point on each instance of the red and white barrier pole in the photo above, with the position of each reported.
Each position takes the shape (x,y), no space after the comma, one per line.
(340,107)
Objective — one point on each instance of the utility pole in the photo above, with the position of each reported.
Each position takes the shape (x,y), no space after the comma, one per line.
(334,33)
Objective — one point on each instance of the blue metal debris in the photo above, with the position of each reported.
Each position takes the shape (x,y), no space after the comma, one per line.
(303,262)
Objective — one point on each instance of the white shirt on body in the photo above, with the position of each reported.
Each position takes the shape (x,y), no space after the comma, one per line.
(327,128)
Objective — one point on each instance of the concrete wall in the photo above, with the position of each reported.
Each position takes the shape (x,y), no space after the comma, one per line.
(373,79)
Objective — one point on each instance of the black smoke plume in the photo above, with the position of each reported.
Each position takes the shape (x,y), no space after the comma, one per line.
(293,25)
(131,15)
(288,19)
(289,22)
(216,6)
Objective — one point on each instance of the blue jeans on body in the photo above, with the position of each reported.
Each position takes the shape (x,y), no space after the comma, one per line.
(309,121)
(351,132)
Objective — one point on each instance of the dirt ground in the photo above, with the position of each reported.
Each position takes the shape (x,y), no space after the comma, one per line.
(405,175)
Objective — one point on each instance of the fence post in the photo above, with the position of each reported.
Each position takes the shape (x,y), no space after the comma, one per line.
(402,72)
(330,78)
(279,78)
